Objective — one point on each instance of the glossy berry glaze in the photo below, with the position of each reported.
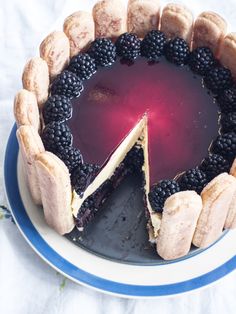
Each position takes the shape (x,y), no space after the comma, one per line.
(182,118)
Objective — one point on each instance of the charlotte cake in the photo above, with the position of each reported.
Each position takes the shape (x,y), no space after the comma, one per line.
(195,206)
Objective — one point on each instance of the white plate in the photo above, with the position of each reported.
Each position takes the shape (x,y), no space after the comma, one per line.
(109,276)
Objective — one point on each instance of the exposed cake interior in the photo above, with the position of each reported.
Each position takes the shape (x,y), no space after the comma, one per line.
(111,170)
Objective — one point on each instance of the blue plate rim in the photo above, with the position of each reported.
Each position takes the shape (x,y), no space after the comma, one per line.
(79,275)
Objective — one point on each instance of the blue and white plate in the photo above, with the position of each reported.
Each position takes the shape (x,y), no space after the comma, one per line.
(107,275)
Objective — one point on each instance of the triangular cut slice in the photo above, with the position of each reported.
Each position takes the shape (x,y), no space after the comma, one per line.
(86,206)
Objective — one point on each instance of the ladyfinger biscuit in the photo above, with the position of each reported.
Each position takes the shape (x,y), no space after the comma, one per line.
(26,109)
(55,187)
(216,198)
(208,31)
(177,21)
(110,18)
(55,50)
(79,28)
(179,219)
(35,78)
(143,16)
(233,168)
(228,52)
(230,222)
(30,145)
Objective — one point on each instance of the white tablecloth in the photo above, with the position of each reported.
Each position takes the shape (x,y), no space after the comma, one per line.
(27,284)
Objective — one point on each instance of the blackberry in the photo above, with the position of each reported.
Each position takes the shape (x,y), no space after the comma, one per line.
(218,79)
(193,179)
(134,159)
(152,46)
(228,122)
(225,145)
(82,176)
(71,157)
(177,51)
(67,84)
(227,100)
(103,51)
(56,136)
(57,108)
(83,66)
(201,60)
(160,192)
(128,46)
(213,165)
